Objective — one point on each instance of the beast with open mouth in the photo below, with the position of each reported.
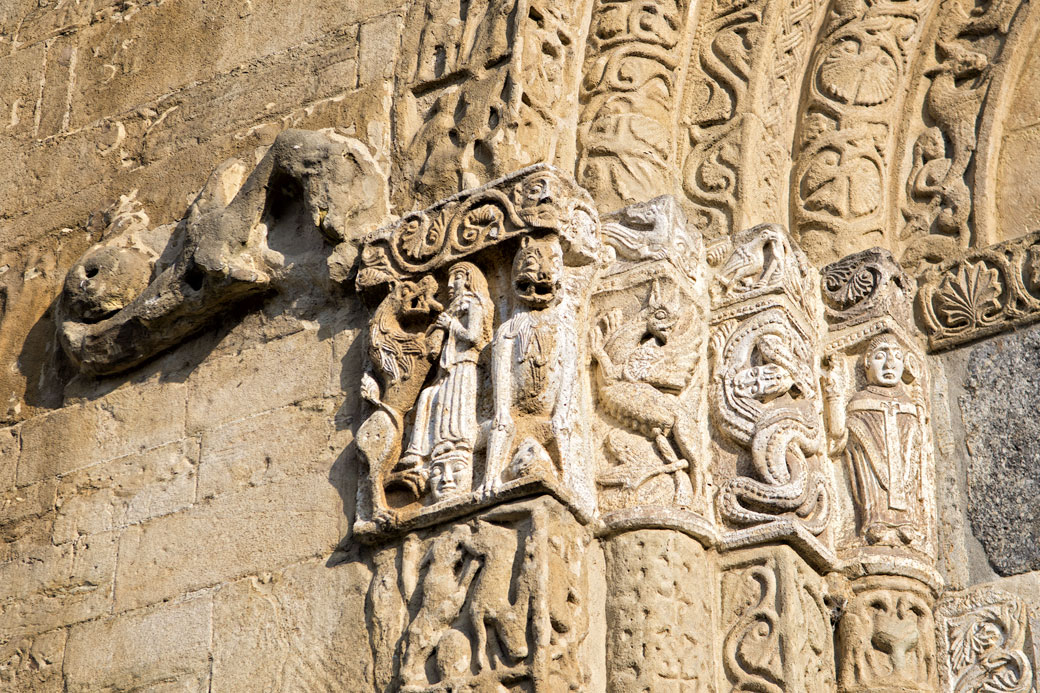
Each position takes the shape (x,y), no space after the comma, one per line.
(538,271)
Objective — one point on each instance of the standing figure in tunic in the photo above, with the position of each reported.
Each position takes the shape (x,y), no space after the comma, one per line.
(445,427)
(881,432)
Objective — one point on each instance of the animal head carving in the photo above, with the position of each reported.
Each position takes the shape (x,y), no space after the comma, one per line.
(538,271)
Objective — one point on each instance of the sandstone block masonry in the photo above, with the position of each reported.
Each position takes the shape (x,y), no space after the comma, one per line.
(517,345)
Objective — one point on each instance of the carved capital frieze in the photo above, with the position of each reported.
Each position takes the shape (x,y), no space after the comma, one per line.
(990,641)
(984,292)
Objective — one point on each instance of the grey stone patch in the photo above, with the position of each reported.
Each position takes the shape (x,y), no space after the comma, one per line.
(1000,408)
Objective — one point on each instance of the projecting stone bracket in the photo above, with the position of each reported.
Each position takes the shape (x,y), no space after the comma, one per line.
(123,302)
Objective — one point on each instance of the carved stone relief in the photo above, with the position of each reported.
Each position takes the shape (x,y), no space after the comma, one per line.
(776,626)
(647,319)
(958,71)
(843,153)
(982,292)
(738,109)
(886,638)
(989,640)
(764,387)
(629,96)
(475,377)
(143,290)
(497,602)
(487,88)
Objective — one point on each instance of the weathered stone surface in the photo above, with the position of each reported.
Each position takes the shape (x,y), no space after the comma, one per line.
(245,532)
(128,420)
(126,491)
(267,448)
(34,664)
(270,376)
(1001,431)
(166,648)
(583,448)
(47,586)
(660,613)
(301,627)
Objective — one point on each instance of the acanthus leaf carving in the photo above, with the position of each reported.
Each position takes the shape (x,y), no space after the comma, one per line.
(983,634)
(981,292)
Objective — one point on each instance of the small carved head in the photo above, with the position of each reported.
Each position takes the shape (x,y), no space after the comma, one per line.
(450,474)
(105,281)
(884,361)
(538,271)
(764,383)
(664,311)
(530,460)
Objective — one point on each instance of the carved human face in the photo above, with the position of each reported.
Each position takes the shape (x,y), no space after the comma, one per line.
(449,476)
(458,283)
(764,382)
(661,322)
(884,364)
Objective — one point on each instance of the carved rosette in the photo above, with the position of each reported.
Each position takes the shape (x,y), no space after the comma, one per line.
(984,292)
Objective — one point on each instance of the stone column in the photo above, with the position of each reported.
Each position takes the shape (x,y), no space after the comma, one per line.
(660,626)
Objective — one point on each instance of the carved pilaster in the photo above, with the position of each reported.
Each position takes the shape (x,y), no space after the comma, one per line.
(774,623)
(878,412)
(500,598)
(886,638)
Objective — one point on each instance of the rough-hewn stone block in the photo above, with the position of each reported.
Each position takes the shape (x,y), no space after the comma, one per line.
(293,626)
(9,445)
(166,648)
(125,421)
(126,490)
(251,531)
(378,42)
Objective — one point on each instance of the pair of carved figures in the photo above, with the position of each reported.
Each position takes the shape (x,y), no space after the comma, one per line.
(524,361)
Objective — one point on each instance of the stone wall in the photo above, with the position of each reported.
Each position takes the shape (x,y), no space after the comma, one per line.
(174,528)
(202,480)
